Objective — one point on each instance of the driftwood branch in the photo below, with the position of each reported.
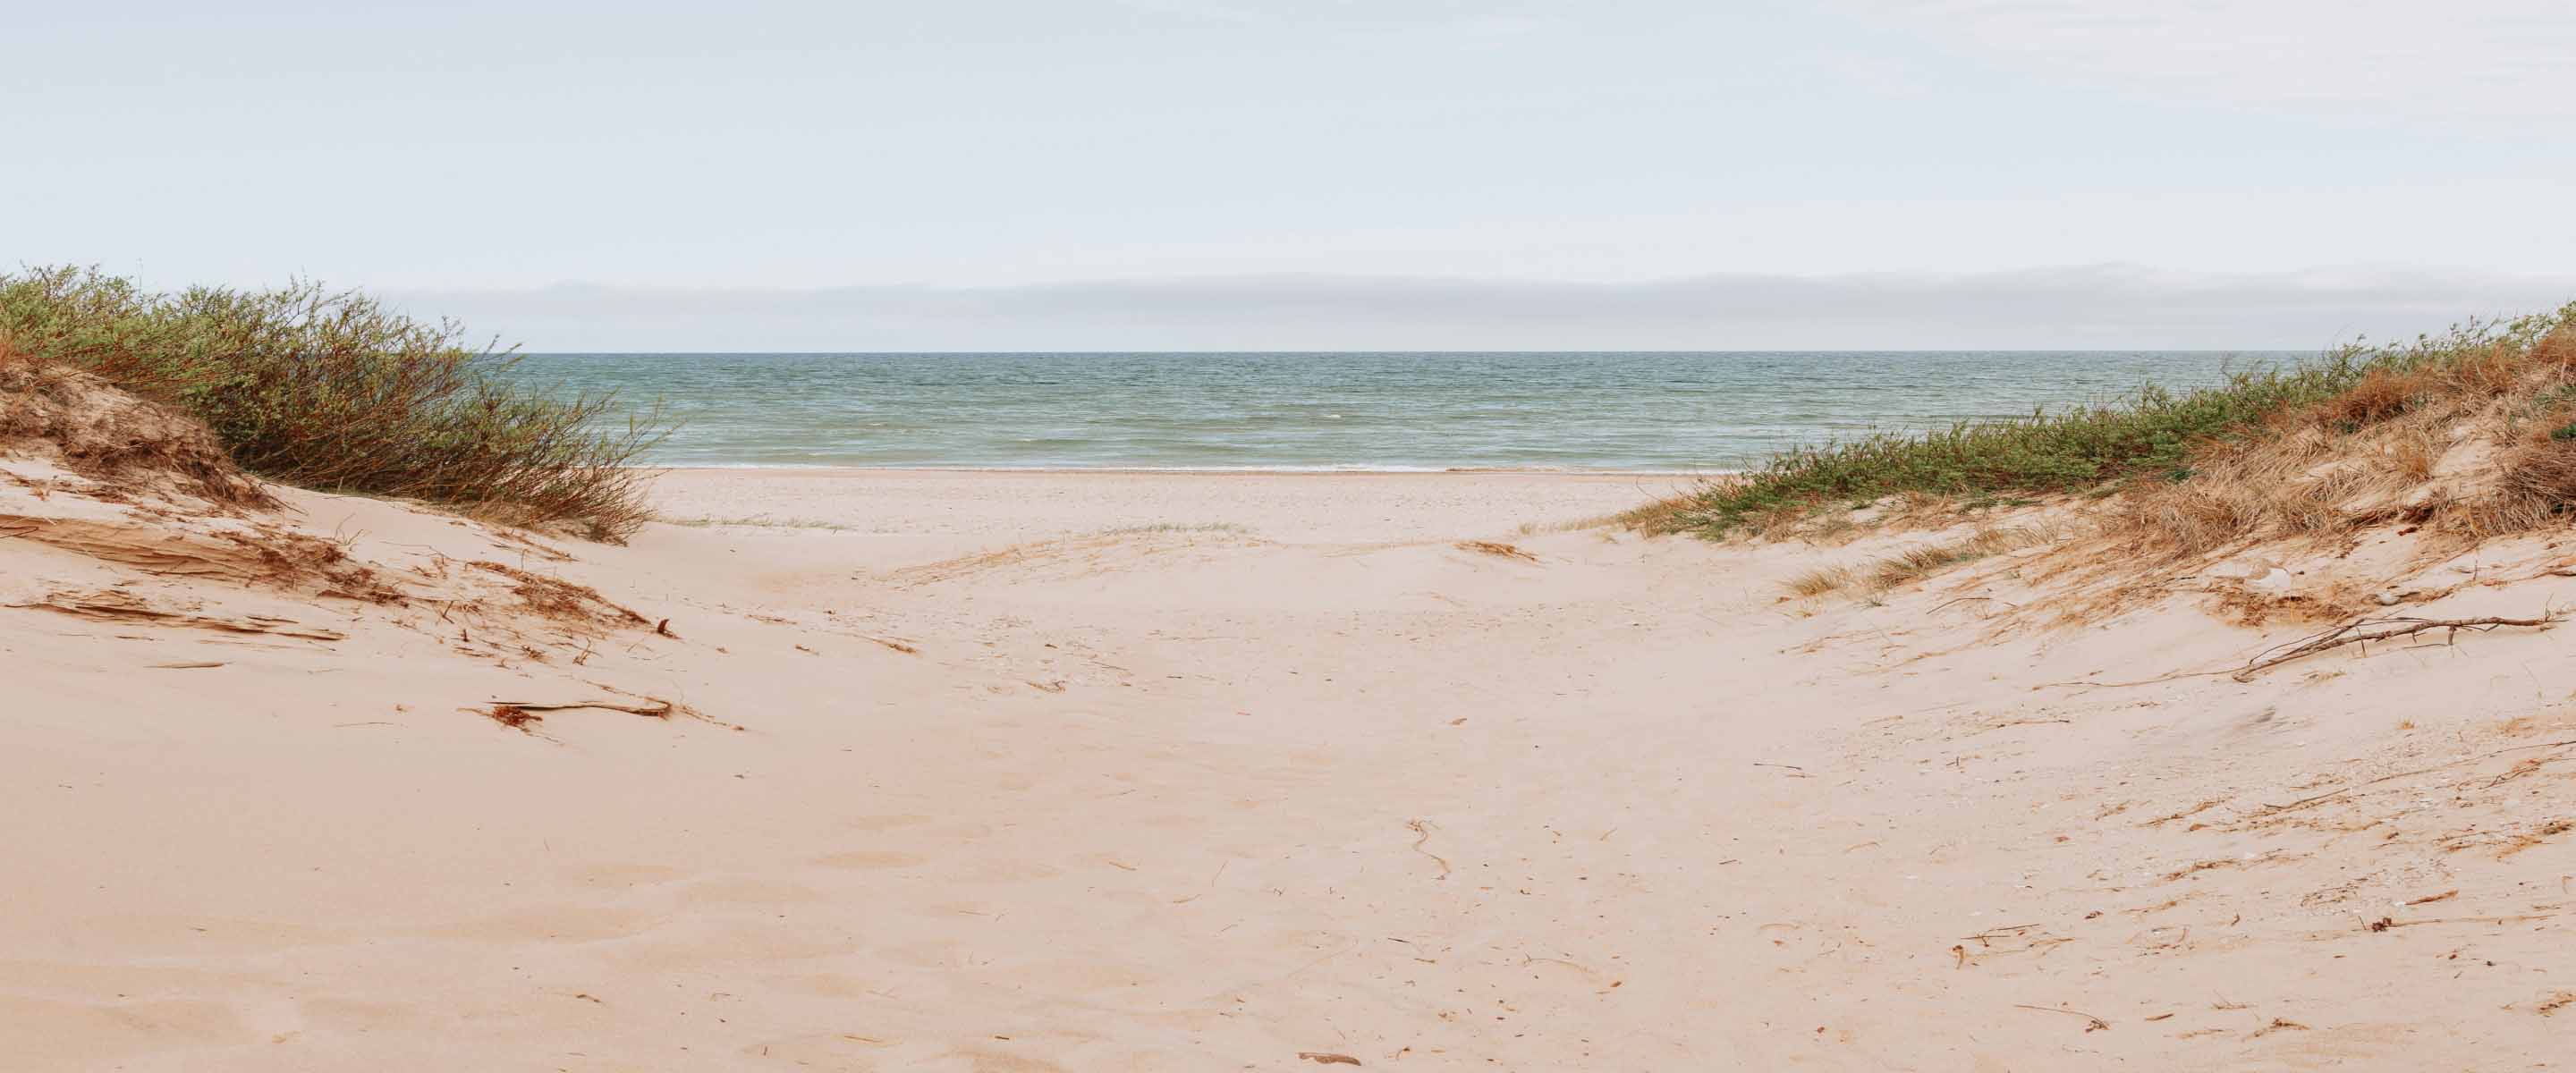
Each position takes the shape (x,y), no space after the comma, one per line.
(659,709)
(2364,631)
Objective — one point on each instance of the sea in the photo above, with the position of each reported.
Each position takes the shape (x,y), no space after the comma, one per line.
(1686,412)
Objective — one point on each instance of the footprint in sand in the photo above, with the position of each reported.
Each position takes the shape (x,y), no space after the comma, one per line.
(871,858)
(1007,870)
(746,890)
(552,923)
(886,823)
(626,875)
(52,1034)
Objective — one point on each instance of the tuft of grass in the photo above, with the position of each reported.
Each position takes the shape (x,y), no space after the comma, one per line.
(2162,439)
(1915,564)
(1819,581)
(334,391)
(2472,453)
(1667,514)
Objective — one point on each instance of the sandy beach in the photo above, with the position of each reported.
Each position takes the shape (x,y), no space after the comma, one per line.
(963,506)
(1247,536)
(986,772)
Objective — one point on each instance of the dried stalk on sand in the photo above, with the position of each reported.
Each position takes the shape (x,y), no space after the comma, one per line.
(2091,1023)
(2364,631)
(1423,828)
(1497,549)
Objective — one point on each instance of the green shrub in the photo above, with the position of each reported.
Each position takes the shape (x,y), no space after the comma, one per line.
(2091,449)
(331,390)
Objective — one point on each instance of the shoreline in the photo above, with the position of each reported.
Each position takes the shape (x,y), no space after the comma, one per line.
(1250,471)
(1021,505)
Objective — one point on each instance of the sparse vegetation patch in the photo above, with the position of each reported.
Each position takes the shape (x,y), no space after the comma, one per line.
(334,391)
(2188,438)
(2473,432)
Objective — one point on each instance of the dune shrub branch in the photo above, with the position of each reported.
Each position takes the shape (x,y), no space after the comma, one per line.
(332,390)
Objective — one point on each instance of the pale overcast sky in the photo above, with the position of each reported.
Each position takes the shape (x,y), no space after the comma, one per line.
(1172,174)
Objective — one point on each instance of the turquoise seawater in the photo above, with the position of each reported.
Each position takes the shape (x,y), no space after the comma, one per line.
(1391,411)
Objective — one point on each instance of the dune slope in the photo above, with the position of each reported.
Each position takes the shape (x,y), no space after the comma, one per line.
(1016,785)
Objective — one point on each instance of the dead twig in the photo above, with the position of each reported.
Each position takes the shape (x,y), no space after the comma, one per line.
(1423,829)
(2091,1023)
(2365,630)
(2273,810)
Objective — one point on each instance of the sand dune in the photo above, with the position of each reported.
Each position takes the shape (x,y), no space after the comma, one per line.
(1146,772)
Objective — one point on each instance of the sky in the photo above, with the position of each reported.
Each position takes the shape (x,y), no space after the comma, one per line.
(1274,174)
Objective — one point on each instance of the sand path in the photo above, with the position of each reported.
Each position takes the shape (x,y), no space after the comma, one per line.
(1187,773)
